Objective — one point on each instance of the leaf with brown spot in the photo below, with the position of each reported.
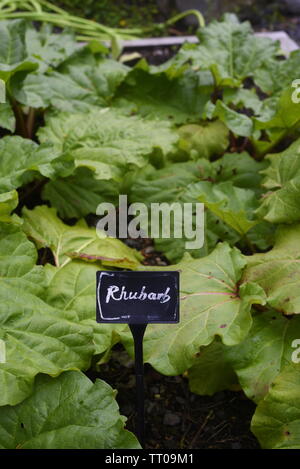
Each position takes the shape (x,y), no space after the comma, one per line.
(206,304)
(276,422)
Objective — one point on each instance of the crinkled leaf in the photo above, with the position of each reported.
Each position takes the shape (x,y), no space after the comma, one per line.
(22,159)
(214,231)
(241,169)
(47,48)
(287,113)
(229,49)
(66,242)
(80,194)
(167,184)
(175,184)
(171,184)
(8,202)
(18,260)
(78,86)
(7,117)
(238,123)
(276,422)
(212,372)
(204,141)
(243,98)
(107,142)
(37,337)
(12,39)
(278,272)
(232,204)
(155,96)
(264,353)
(211,304)
(16,73)
(68,412)
(284,121)
(282,178)
(13,56)
(72,288)
(275,75)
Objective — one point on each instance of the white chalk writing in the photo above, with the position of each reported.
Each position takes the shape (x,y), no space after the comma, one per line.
(116,293)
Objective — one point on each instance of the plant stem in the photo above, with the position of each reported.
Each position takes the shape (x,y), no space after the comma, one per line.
(250,244)
(21,128)
(30,122)
(182,15)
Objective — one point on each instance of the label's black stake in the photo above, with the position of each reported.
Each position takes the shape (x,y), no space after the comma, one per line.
(138,331)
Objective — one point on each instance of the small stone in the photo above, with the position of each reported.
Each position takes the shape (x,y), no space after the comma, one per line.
(155,389)
(171,419)
(236,446)
(180,400)
(161,263)
(148,250)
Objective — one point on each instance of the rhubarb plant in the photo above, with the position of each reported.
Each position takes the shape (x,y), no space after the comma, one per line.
(215,124)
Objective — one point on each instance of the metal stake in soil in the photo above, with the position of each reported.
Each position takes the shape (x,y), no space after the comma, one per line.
(138,331)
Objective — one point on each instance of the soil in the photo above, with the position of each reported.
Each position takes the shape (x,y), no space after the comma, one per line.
(175,417)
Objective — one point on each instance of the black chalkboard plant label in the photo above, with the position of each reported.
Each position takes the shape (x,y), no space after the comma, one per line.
(137,297)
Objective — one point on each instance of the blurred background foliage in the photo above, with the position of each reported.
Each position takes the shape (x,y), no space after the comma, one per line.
(263,14)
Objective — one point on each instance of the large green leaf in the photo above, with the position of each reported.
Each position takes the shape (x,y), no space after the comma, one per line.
(212,371)
(168,184)
(276,422)
(282,179)
(14,74)
(264,353)
(72,288)
(204,141)
(67,242)
(32,159)
(18,260)
(80,194)
(14,61)
(275,75)
(180,100)
(79,85)
(241,169)
(238,123)
(214,231)
(230,50)
(211,305)
(49,49)
(278,272)
(232,204)
(68,412)
(8,202)
(7,117)
(37,337)
(282,121)
(107,142)
(172,184)
(179,182)
(243,99)
(12,39)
